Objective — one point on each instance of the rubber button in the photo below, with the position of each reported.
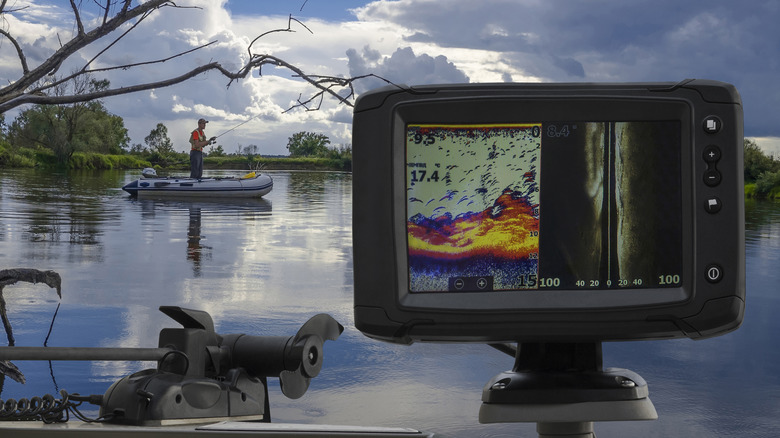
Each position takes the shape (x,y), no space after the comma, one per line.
(712,177)
(711,154)
(714,273)
(712,125)
(713,205)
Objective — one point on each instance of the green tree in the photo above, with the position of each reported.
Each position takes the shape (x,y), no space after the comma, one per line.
(65,129)
(756,162)
(103,133)
(5,147)
(217,151)
(340,152)
(768,182)
(247,150)
(308,144)
(158,140)
(138,149)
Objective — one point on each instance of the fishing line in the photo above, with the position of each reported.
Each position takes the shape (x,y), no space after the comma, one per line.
(245,121)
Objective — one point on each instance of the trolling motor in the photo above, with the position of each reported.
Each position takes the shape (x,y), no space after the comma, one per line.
(201,375)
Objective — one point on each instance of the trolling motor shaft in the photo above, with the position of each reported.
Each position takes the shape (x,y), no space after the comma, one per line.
(82,353)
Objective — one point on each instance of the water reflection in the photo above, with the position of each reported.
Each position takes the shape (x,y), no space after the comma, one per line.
(58,207)
(214,210)
(194,248)
(264,267)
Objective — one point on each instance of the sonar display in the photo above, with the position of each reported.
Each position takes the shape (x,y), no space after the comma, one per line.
(472,206)
(551,205)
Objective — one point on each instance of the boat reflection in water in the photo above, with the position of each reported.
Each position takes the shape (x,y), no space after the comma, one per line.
(197,208)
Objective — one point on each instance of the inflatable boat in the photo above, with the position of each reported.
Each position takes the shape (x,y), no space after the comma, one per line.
(249,185)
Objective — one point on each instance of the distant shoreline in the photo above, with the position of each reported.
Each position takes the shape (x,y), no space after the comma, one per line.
(95,161)
(752,193)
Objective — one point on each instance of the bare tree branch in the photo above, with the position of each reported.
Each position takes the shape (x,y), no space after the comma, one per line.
(3,9)
(33,86)
(326,84)
(76,14)
(22,58)
(116,40)
(137,64)
(288,29)
(105,11)
(53,63)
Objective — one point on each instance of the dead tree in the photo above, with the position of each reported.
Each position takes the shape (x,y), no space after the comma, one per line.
(33,88)
(12,276)
(7,278)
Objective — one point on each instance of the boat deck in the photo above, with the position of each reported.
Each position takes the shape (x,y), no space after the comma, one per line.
(228,429)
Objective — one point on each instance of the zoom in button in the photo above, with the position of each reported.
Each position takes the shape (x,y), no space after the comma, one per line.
(711,154)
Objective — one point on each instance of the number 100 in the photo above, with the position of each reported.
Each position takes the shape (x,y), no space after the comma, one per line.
(664,280)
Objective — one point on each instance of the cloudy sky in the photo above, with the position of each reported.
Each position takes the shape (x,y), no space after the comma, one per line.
(412,42)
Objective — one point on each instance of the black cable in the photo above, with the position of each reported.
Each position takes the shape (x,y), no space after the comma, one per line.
(49,409)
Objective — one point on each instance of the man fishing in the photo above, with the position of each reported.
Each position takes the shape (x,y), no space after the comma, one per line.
(198,142)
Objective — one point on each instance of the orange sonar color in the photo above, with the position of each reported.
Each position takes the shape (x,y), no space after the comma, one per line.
(506,230)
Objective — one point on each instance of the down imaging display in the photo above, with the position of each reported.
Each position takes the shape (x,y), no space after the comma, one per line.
(548,205)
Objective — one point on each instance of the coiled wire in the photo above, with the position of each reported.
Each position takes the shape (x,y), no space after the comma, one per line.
(47,408)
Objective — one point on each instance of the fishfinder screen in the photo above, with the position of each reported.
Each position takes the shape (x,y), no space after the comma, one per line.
(543,206)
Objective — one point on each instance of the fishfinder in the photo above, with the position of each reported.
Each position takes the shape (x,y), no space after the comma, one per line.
(548,212)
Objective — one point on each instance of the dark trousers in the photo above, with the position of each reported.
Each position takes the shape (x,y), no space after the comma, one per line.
(196,164)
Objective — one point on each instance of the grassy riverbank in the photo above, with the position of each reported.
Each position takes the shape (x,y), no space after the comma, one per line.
(29,158)
(751,192)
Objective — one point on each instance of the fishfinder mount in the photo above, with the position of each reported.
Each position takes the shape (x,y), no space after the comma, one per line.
(557,216)
(564,388)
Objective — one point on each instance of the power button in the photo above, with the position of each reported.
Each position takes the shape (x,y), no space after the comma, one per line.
(713,273)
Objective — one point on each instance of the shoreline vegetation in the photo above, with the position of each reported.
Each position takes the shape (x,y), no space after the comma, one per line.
(762,172)
(43,158)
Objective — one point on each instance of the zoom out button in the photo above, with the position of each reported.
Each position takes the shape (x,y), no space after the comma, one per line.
(712,177)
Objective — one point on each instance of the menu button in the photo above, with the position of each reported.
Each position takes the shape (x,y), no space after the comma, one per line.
(712,125)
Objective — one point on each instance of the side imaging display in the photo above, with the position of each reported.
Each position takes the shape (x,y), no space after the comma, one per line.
(477,196)
(548,212)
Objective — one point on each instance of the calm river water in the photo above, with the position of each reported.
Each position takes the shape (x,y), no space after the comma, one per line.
(265,266)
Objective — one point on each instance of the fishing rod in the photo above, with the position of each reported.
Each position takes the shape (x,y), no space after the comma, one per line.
(212,140)
(245,121)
